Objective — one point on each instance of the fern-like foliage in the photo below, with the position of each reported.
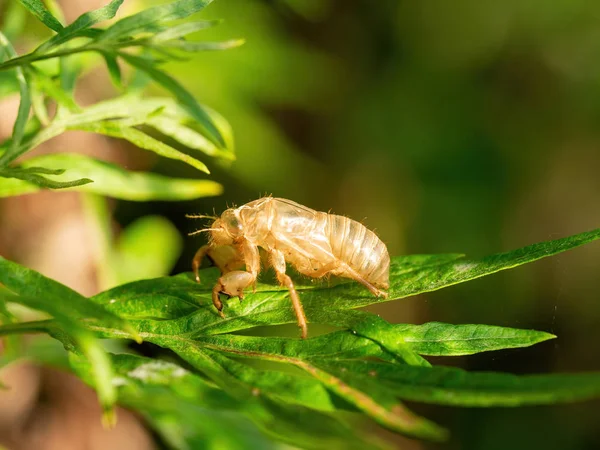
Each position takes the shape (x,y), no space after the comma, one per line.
(176,127)
(213,388)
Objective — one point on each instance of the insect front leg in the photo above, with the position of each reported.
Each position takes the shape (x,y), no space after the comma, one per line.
(225,257)
(233,283)
(251,257)
(198,257)
(278,263)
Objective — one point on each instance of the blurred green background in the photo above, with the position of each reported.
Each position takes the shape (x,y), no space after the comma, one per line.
(470,126)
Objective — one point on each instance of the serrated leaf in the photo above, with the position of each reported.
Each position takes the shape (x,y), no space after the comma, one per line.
(143,382)
(289,423)
(457,387)
(409,275)
(83,22)
(57,298)
(363,364)
(442,339)
(182,407)
(39,10)
(114,181)
(77,338)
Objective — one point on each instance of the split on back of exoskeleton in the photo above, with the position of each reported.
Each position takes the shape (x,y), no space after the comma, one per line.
(315,243)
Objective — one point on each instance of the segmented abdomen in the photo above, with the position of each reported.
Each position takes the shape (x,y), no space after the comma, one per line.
(360,248)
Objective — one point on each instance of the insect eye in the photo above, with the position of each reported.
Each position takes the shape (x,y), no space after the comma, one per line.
(232,223)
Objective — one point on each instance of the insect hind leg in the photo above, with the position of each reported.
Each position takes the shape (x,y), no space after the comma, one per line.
(278,263)
(351,273)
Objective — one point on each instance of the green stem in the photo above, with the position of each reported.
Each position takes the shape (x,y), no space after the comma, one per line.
(38,326)
(47,133)
(32,57)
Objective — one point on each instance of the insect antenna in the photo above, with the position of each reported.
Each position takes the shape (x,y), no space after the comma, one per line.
(200,216)
(201,231)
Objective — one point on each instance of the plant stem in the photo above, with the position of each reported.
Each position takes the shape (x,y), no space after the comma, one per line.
(38,326)
(32,57)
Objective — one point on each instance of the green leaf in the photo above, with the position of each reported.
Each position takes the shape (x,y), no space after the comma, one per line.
(416,274)
(38,102)
(291,421)
(10,187)
(77,338)
(181,406)
(34,175)
(456,387)
(142,140)
(70,68)
(83,22)
(124,112)
(153,16)
(49,87)
(271,305)
(73,312)
(183,29)
(39,10)
(384,333)
(409,275)
(114,70)
(204,46)
(24,106)
(187,136)
(362,367)
(114,181)
(56,298)
(187,100)
(162,390)
(442,339)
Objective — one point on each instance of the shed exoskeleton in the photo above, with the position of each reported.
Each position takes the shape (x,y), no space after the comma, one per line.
(314,243)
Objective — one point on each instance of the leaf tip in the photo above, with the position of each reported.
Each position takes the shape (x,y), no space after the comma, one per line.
(543,336)
(109,417)
(135,335)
